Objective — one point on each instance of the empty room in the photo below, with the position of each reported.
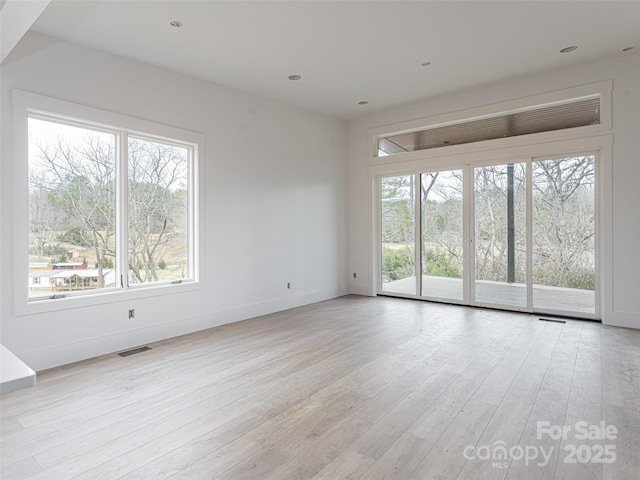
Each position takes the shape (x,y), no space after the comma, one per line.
(319,240)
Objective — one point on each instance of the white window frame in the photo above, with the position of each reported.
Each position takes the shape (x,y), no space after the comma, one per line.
(601,89)
(598,139)
(28,104)
(600,146)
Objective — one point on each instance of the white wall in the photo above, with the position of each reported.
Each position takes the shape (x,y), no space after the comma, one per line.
(275,201)
(623,304)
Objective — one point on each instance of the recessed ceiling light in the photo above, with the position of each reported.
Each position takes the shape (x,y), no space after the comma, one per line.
(362,102)
(627,49)
(569,49)
(176,23)
(425,64)
(295,77)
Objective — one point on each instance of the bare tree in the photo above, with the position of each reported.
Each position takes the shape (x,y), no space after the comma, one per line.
(45,218)
(79,178)
(564,222)
(73,175)
(157,205)
(398,209)
(442,223)
(491,212)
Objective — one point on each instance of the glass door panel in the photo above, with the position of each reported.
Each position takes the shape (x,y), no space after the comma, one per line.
(500,220)
(519,235)
(563,261)
(442,220)
(398,249)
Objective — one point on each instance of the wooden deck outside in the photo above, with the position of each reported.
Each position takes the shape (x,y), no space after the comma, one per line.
(570,300)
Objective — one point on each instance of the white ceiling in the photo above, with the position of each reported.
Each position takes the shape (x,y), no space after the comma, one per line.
(348,51)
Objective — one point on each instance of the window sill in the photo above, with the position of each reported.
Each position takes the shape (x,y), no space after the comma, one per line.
(111,296)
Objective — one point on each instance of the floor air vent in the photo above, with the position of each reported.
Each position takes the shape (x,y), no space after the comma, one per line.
(134,351)
(555,320)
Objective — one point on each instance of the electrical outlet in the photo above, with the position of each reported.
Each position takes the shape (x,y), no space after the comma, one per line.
(354,275)
(288,285)
(132,313)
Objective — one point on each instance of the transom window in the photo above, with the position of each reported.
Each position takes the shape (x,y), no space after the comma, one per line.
(567,114)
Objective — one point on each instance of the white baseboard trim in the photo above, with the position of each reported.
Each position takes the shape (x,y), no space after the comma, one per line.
(63,354)
(622,319)
(364,291)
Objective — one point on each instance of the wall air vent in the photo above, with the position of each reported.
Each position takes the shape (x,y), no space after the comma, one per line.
(577,112)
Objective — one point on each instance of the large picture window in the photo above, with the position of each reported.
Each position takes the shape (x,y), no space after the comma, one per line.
(109,208)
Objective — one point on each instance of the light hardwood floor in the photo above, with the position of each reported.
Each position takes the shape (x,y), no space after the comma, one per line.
(356,387)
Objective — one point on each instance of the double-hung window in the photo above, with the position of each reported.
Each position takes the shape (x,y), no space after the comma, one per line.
(112,202)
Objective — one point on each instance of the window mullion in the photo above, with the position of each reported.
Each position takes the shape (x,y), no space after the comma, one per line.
(417,225)
(192,213)
(122,213)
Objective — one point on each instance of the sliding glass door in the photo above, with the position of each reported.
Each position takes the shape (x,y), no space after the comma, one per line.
(515,235)
(442,240)
(564,234)
(397,235)
(500,245)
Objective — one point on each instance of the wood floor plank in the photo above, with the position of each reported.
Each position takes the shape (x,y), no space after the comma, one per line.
(354,388)
(620,365)
(626,444)
(22,469)
(466,379)
(400,460)
(176,461)
(314,452)
(252,455)
(584,410)
(324,450)
(348,466)
(494,387)
(509,420)
(135,411)
(550,406)
(446,458)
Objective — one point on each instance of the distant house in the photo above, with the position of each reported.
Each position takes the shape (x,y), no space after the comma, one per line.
(39,266)
(70,266)
(39,278)
(80,279)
